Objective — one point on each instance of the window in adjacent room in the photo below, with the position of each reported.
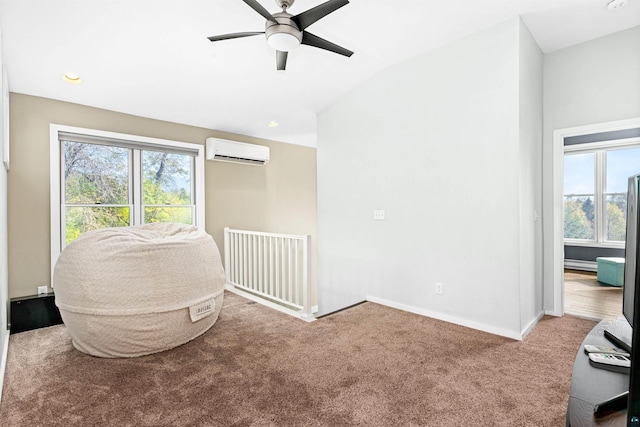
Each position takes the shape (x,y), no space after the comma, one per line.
(595,192)
(101,179)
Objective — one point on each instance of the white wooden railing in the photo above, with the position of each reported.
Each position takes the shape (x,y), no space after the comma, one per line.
(275,268)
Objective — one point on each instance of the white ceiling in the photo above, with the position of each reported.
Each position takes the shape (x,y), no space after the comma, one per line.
(151,58)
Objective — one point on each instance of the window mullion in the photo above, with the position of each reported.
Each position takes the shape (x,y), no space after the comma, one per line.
(135,196)
(194,198)
(601,207)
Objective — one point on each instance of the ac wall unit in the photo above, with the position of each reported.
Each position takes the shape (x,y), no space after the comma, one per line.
(238,152)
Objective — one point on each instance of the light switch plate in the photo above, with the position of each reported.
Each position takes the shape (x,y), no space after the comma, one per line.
(378,215)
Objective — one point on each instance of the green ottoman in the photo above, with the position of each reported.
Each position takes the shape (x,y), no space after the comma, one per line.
(611,271)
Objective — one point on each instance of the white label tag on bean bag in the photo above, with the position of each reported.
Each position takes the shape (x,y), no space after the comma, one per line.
(202,310)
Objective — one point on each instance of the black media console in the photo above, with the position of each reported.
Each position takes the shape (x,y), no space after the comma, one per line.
(591,386)
(33,312)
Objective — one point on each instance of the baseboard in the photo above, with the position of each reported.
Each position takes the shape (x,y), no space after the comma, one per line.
(269,304)
(576,264)
(447,318)
(527,330)
(3,361)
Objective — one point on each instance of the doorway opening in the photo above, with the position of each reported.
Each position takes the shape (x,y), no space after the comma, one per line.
(623,132)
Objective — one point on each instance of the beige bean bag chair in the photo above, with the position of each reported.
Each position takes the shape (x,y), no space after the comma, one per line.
(131,291)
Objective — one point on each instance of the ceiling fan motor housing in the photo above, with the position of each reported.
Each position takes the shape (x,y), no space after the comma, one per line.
(285,35)
(284,4)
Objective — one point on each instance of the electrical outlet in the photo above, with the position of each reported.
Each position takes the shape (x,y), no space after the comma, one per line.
(42,290)
(439,289)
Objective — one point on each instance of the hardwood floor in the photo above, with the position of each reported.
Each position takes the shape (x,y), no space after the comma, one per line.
(584,296)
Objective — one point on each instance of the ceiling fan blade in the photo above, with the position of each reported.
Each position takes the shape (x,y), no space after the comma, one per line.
(315,41)
(281,60)
(234,36)
(308,17)
(261,10)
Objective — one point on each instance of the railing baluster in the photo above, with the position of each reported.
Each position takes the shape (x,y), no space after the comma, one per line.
(254,263)
(247,279)
(277,266)
(296,277)
(265,263)
(244,260)
(235,257)
(249,261)
(259,263)
(306,273)
(290,295)
(273,266)
(270,265)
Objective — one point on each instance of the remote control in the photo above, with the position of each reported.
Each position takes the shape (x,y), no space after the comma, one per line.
(617,341)
(588,348)
(610,359)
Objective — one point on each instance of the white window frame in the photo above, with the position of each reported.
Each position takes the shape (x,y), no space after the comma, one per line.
(198,182)
(600,170)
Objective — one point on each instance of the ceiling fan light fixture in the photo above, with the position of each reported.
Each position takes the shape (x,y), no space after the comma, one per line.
(283,41)
(284,35)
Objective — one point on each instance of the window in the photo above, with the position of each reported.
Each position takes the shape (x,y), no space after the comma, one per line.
(595,192)
(101,179)
(96,187)
(579,196)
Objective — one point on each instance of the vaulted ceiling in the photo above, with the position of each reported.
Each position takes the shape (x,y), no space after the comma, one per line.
(152,58)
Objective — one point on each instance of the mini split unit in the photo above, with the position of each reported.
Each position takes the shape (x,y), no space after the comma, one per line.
(237,152)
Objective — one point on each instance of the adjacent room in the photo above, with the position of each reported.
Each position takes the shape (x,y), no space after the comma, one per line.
(596,171)
(343,189)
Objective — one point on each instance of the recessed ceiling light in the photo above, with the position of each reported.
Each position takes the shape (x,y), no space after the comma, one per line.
(617,4)
(72,78)
(273,124)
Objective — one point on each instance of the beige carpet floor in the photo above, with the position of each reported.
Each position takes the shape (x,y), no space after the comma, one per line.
(366,366)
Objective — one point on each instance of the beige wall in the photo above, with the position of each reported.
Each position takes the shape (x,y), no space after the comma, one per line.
(279,197)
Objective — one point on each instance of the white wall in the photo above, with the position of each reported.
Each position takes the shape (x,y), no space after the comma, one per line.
(4,277)
(593,82)
(4,267)
(435,142)
(531,64)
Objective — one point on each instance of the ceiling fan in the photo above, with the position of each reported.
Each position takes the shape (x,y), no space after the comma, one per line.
(285,32)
